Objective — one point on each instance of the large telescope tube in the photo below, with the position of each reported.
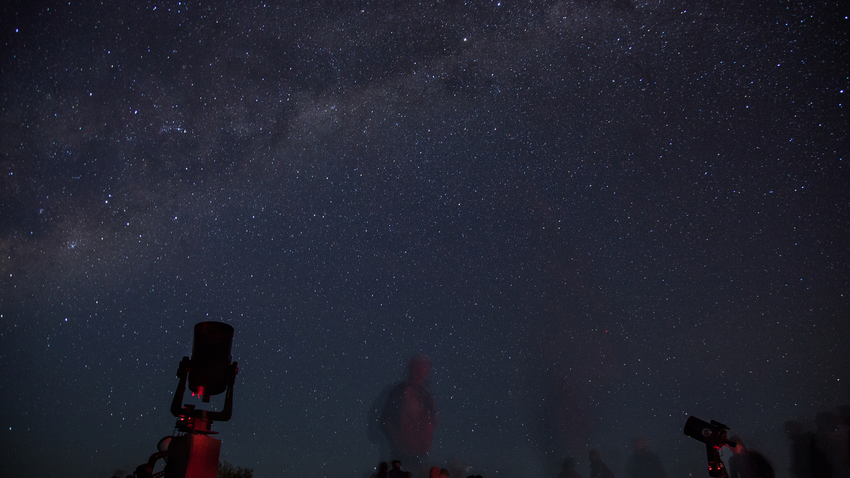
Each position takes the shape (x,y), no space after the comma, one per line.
(210,359)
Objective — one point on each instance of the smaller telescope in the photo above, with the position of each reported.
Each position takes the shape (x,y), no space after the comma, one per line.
(714,436)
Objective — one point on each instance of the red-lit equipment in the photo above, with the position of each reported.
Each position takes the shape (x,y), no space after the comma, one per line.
(193,453)
(714,436)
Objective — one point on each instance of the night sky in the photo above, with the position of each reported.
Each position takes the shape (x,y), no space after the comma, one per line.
(594,217)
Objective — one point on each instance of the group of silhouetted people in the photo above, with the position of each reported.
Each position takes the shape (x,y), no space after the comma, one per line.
(824,452)
(643,463)
(394,470)
(404,418)
(821,453)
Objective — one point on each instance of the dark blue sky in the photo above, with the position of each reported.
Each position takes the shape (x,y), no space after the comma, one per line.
(594,219)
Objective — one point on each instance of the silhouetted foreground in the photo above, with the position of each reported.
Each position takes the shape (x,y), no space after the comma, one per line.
(821,453)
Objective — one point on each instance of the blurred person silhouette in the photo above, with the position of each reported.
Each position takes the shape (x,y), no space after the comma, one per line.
(823,445)
(375,427)
(457,468)
(598,469)
(396,471)
(436,472)
(799,456)
(745,463)
(644,463)
(844,439)
(381,472)
(409,416)
(569,469)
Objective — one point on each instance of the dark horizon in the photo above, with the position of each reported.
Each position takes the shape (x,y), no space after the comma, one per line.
(596,218)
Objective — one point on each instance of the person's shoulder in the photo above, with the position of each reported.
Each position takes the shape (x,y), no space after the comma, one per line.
(760,460)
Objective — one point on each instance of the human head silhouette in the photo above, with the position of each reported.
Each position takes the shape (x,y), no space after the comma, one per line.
(418,369)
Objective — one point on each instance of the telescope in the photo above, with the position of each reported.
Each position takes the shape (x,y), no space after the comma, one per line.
(194,453)
(714,436)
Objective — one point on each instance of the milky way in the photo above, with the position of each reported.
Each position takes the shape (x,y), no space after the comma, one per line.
(595,218)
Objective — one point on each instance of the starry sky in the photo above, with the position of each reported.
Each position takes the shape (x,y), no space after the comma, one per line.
(594,217)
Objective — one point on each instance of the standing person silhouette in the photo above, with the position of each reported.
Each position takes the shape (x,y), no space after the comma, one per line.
(569,469)
(799,454)
(409,416)
(746,463)
(598,469)
(397,472)
(644,463)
